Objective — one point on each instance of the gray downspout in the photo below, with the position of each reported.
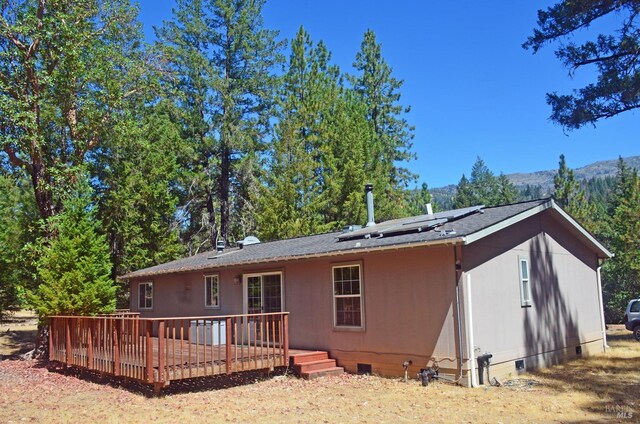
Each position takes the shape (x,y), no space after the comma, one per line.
(602,323)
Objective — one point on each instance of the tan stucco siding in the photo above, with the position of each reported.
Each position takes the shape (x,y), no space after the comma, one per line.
(565,310)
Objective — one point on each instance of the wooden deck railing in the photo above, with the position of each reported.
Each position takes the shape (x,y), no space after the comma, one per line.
(158,350)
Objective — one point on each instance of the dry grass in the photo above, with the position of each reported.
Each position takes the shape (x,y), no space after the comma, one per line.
(18,333)
(585,390)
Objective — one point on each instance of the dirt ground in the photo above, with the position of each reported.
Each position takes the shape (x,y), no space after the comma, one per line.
(604,388)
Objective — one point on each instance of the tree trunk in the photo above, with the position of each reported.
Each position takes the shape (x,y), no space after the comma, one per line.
(225,172)
(213,233)
(44,200)
(41,351)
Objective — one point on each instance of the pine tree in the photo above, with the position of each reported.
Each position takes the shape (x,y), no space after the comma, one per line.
(621,274)
(463,196)
(418,199)
(140,183)
(224,60)
(507,192)
(73,265)
(613,57)
(483,188)
(292,204)
(571,196)
(392,135)
(318,163)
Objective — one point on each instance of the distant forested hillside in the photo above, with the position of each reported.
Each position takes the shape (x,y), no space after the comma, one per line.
(597,179)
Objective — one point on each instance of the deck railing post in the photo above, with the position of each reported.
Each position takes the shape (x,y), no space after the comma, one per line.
(285,337)
(116,347)
(90,344)
(51,330)
(68,347)
(161,352)
(229,341)
(149,359)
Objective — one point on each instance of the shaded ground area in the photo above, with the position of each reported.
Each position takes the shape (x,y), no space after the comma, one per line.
(596,389)
(18,333)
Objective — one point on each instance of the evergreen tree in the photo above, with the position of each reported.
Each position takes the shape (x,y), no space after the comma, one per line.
(318,165)
(463,196)
(621,274)
(571,196)
(17,212)
(184,44)
(224,59)
(345,155)
(531,192)
(292,204)
(614,56)
(507,192)
(418,199)
(392,135)
(483,188)
(138,190)
(73,264)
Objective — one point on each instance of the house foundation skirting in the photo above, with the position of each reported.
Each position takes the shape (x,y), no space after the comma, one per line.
(506,370)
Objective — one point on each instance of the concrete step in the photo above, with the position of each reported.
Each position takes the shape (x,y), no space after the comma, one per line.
(315,365)
(311,375)
(302,358)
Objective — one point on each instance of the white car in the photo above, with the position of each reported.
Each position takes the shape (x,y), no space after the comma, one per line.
(632,318)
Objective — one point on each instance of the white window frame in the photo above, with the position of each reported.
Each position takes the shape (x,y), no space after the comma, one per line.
(209,279)
(336,326)
(245,288)
(140,298)
(525,282)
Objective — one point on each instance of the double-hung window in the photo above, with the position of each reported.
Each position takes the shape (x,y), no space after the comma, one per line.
(347,296)
(145,295)
(525,282)
(211,291)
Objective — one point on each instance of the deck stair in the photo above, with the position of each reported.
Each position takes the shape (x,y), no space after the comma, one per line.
(315,364)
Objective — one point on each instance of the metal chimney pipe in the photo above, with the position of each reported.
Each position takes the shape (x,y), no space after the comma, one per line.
(368,189)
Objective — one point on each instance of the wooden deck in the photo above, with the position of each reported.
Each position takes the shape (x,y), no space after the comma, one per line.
(157,351)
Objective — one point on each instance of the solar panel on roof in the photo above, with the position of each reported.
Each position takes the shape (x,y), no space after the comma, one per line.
(402,225)
(410,226)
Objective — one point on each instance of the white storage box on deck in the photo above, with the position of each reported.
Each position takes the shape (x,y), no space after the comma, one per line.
(203,334)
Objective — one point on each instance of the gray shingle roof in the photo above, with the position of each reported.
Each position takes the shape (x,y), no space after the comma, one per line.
(328,244)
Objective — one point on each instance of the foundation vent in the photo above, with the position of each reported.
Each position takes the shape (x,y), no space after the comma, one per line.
(364,369)
(520,365)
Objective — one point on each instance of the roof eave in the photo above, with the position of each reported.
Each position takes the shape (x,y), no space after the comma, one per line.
(399,246)
(550,204)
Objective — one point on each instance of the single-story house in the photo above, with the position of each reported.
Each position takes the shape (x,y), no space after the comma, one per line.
(519,282)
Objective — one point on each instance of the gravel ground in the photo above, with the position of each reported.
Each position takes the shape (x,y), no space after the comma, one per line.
(595,389)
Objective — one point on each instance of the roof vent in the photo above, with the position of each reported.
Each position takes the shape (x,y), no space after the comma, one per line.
(351,228)
(428,209)
(248,241)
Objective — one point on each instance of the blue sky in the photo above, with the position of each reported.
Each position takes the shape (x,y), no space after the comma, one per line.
(472,89)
